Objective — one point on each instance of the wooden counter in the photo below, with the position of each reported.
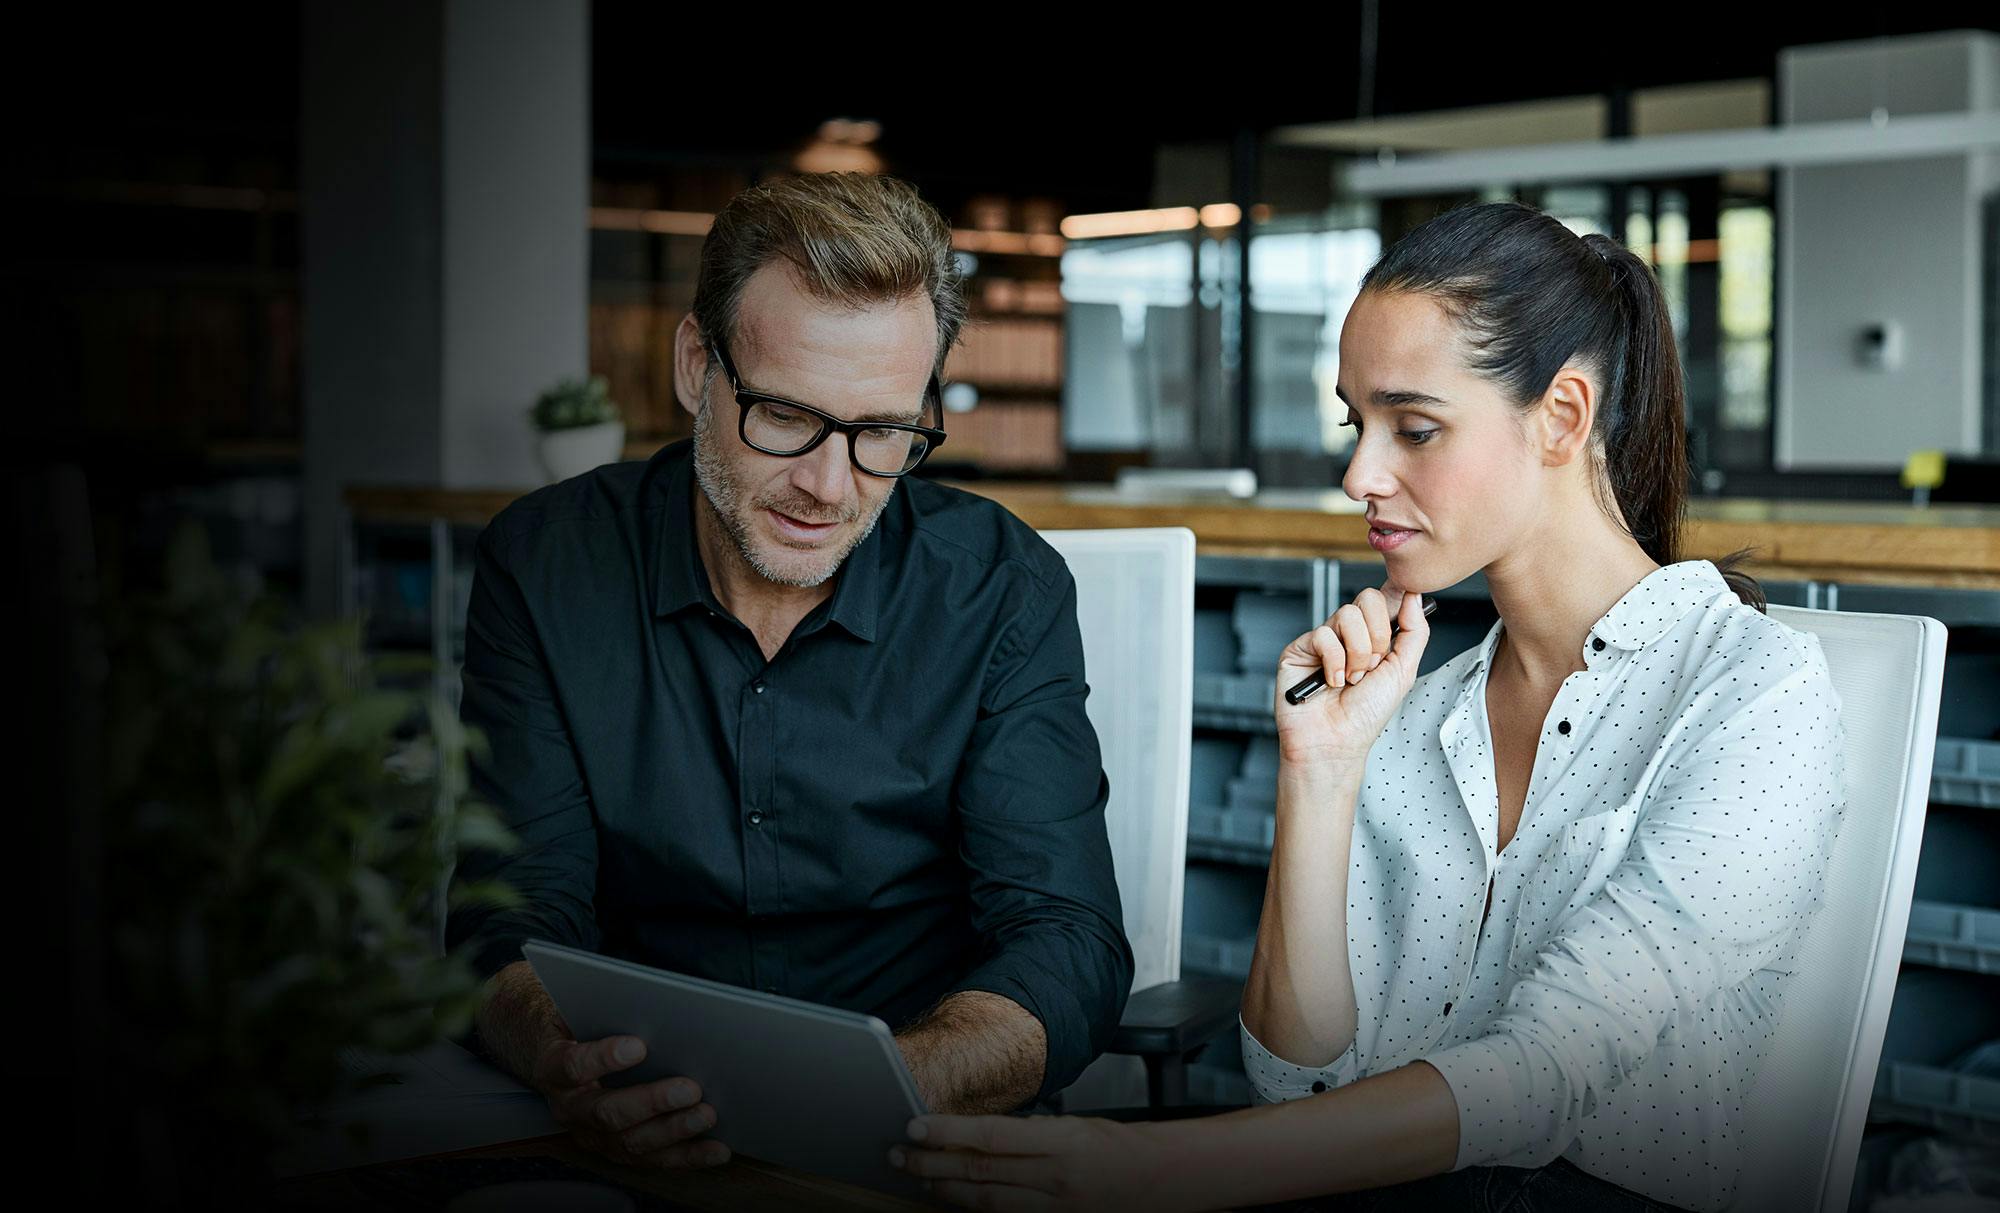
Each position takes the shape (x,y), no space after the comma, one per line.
(1947,546)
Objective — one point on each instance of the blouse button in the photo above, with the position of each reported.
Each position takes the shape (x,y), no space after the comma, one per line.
(1319,1088)
(1563,728)
(1447,1008)
(1597,645)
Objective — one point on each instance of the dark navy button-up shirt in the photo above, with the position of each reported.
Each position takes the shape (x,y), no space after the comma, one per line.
(907,801)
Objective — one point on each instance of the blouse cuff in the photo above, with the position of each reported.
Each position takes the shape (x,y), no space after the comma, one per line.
(1488,1129)
(1276,1080)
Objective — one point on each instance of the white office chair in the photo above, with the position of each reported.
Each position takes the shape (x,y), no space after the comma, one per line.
(1809,1104)
(1135,607)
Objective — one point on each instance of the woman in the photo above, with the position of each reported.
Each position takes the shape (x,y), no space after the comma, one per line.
(1528,918)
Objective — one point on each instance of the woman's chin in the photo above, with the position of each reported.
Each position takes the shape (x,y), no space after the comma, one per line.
(1423,576)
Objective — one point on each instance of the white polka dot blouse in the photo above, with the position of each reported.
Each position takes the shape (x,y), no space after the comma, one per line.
(1614,1006)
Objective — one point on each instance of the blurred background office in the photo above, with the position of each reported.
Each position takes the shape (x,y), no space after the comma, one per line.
(302,271)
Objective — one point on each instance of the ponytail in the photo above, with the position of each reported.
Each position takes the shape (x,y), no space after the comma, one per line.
(1532,297)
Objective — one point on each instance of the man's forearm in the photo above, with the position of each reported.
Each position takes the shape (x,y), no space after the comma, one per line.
(519,1020)
(976,1052)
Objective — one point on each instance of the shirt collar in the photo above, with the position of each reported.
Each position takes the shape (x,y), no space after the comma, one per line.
(1645,613)
(1662,598)
(680,581)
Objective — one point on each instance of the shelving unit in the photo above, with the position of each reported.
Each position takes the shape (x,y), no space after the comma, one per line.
(1953,937)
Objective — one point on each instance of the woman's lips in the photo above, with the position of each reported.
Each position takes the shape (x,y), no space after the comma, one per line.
(793,528)
(1388,538)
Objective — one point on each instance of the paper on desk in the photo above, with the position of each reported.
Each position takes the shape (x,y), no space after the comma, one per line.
(442,1099)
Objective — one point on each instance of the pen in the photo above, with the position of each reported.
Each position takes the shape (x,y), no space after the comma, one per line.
(1315,682)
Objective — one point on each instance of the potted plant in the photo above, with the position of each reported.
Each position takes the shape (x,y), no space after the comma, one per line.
(279,825)
(580,427)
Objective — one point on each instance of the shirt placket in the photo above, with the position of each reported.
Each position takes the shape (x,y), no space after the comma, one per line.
(1471,766)
(757,816)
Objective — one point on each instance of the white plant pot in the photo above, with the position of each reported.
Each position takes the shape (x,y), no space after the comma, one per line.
(566,453)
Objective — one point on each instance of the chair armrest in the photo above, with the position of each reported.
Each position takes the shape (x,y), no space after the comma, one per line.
(1177,1017)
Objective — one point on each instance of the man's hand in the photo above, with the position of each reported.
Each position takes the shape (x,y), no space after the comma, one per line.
(651,1124)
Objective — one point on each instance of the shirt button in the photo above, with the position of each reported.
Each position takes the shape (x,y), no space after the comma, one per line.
(1319,1088)
(1563,728)
(1598,644)
(756,818)
(757,687)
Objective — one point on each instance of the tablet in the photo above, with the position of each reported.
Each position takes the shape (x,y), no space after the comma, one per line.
(791,1082)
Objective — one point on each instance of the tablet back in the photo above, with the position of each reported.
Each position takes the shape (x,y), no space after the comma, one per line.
(791,1082)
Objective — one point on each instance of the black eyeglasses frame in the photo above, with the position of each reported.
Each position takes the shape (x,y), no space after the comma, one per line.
(829,424)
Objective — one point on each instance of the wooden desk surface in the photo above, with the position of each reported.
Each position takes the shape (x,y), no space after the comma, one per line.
(1947,545)
(742,1184)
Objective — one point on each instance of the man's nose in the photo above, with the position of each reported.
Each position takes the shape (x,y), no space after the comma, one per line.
(826,471)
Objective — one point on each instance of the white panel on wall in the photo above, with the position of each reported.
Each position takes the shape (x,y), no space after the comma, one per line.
(1880,293)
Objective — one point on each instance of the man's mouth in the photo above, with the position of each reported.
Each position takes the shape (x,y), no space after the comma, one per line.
(800,528)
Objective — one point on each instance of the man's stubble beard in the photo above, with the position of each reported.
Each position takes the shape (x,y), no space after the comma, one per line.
(719,484)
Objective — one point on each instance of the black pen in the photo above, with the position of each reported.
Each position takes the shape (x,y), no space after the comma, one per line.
(1315,682)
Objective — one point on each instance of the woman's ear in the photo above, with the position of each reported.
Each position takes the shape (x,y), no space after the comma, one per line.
(1567,413)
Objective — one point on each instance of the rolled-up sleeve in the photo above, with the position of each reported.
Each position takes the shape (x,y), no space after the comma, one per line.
(529,772)
(1030,805)
(1723,873)
(1276,1080)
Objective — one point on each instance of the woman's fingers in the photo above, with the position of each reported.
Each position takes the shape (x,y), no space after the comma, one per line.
(1332,654)
(1375,609)
(1352,628)
(1415,629)
(1318,650)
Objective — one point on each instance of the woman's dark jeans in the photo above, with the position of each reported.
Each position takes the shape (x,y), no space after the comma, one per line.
(1560,1187)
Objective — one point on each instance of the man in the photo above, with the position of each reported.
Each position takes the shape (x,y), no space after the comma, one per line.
(763,711)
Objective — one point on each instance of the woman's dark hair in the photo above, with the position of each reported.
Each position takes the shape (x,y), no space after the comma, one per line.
(1530,296)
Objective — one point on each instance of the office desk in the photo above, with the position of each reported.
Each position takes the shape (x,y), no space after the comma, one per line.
(743,1184)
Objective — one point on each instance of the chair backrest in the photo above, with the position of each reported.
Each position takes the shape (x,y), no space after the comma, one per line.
(1135,606)
(1809,1103)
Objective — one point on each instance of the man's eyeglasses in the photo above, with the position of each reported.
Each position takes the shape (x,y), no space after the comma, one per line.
(777,426)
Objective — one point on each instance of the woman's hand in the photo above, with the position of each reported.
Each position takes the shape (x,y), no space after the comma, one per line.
(1039,1162)
(1368,671)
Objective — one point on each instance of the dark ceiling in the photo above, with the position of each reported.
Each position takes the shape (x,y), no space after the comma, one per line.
(1074,107)
(1025,102)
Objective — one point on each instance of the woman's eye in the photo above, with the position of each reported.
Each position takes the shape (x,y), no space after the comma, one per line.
(1416,437)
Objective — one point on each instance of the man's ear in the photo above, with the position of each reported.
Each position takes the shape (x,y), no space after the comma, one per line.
(690,364)
(1568,412)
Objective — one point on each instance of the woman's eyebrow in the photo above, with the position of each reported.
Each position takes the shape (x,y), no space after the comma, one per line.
(1393,397)
(1397,396)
